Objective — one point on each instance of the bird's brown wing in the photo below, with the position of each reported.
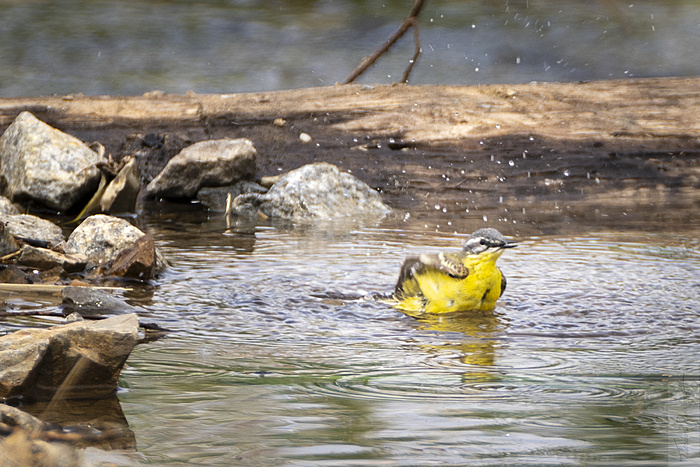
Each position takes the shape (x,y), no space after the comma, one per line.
(447,263)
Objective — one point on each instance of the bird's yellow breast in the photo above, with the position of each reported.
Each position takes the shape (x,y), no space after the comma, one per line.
(433,291)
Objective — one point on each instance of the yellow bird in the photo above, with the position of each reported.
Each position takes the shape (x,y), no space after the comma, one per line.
(458,281)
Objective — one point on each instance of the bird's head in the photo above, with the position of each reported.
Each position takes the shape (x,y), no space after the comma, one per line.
(486,240)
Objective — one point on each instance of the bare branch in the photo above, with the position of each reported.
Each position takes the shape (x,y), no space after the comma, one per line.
(407,23)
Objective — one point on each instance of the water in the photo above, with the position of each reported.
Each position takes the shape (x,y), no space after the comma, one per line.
(115,47)
(591,356)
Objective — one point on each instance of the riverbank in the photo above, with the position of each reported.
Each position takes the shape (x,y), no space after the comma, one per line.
(582,149)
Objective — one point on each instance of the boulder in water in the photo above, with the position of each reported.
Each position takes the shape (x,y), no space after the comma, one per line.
(313,192)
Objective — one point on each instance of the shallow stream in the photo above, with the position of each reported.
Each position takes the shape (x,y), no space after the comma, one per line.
(591,356)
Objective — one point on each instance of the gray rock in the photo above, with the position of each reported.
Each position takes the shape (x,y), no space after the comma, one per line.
(101,238)
(43,164)
(120,195)
(33,230)
(82,359)
(207,163)
(315,191)
(6,207)
(92,301)
(215,197)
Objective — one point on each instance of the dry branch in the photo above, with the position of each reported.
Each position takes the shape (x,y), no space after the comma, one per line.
(408,22)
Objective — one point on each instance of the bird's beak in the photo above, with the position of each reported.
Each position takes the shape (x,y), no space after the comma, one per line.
(509,245)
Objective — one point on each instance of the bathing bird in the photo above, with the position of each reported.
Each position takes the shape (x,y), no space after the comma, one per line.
(455,281)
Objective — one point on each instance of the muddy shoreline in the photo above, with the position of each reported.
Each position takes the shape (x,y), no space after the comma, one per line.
(620,154)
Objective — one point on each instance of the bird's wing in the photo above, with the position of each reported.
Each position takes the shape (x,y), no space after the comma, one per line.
(447,263)
(503,282)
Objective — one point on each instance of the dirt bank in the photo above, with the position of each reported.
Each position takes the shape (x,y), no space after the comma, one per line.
(593,151)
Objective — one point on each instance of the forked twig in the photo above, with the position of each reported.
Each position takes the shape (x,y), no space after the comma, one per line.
(408,22)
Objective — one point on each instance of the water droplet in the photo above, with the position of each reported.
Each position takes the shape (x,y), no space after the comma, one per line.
(511,163)
(485,218)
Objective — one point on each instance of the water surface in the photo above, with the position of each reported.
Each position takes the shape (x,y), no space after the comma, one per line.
(115,47)
(591,356)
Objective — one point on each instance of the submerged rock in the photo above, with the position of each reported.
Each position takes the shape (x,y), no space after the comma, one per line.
(24,443)
(82,360)
(33,230)
(40,163)
(93,301)
(215,197)
(314,191)
(207,163)
(101,238)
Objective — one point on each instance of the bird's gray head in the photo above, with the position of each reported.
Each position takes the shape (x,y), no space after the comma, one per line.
(485,239)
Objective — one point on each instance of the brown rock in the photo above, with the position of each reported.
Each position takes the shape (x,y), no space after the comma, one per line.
(13,275)
(41,258)
(81,360)
(136,262)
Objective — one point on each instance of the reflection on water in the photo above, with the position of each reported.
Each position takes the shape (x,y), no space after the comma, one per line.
(591,356)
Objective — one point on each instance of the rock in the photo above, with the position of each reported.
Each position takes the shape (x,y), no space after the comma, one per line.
(215,197)
(6,207)
(120,195)
(21,449)
(207,163)
(12,274)
(92,301)
(82,360)
(8,244)
(78,430)
(43,164)
(42,258)
(101,238)
(33,230)
(137,261)
(314,191)
(13,417)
